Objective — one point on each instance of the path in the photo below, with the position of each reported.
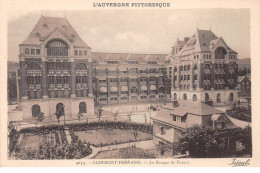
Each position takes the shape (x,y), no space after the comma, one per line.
(147,145)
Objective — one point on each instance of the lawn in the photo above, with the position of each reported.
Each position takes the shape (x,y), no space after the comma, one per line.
(111,136)
(33,141)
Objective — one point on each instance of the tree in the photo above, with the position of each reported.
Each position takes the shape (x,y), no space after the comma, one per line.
(40,117)
(136,134)
(129,116)
(202,142)
(80,115)
(246,139)
(145,118)
(99,113)
(116,114)
(59,113)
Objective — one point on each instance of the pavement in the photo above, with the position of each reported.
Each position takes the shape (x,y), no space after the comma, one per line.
(147,145)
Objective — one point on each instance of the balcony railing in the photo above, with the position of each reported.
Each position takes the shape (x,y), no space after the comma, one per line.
(57,58)
(81,72)
(34,72)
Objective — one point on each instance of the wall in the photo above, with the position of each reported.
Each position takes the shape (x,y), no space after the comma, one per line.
(48,107)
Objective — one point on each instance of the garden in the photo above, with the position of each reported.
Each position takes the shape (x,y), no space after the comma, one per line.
(73,140)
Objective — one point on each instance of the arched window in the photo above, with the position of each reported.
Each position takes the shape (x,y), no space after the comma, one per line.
(194,97)
(184,96)
(33,66)
(82,107)
(218,98)
(220,53)
(81,66)
(161,90)
(57,48)
(36,109)
(133,90)
(175,96)
(206,97)
(195,67)
(231,97)
(207,66)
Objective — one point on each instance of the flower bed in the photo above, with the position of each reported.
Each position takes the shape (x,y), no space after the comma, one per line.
(47,152)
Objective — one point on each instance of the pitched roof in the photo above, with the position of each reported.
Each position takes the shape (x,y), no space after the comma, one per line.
(47,25)
(129,56)
(190,108)
(240,78)
(201,41)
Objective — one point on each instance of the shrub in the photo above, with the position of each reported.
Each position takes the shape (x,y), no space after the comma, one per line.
(47,151)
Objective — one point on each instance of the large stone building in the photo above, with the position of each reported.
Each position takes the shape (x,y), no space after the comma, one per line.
(126,78)
(204,68)
(55,71)
(59,72)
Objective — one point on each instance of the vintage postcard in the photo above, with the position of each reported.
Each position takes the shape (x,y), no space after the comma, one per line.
(130,83)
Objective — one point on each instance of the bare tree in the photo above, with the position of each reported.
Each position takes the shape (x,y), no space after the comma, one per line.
(40,117)
(116,114)
(136,134)
(129,116)
(145,118)
(99,113)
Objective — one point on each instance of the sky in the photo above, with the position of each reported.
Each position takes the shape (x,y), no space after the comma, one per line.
(139,31)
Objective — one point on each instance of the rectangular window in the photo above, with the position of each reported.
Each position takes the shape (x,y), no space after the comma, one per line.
(37,80)
(124,80)
(26,51)
(32,51)
(78,79)
(195,77)
(188,77)
(38,51)
(103,99)
(58,80)
(142,71)
(80,53)
(113,80)
(85,53)
(75,52)
(133,79)
(152,78)
(51,79)
(84,79)
(174,118)
(66,79)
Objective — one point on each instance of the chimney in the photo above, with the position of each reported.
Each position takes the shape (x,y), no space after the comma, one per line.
(186,39)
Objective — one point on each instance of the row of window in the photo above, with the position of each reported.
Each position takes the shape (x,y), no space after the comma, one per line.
(131,70)
(36,109)
(32,52)
(207,56)
(80,52)
(131,62)
(232,56)
(142,79)
(132,98)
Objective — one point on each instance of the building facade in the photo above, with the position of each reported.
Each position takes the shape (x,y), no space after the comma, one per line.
(55,71)
(130,78)
(58,71)
(204,68)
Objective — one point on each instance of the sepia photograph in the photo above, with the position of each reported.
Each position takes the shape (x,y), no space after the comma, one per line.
(139,83)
